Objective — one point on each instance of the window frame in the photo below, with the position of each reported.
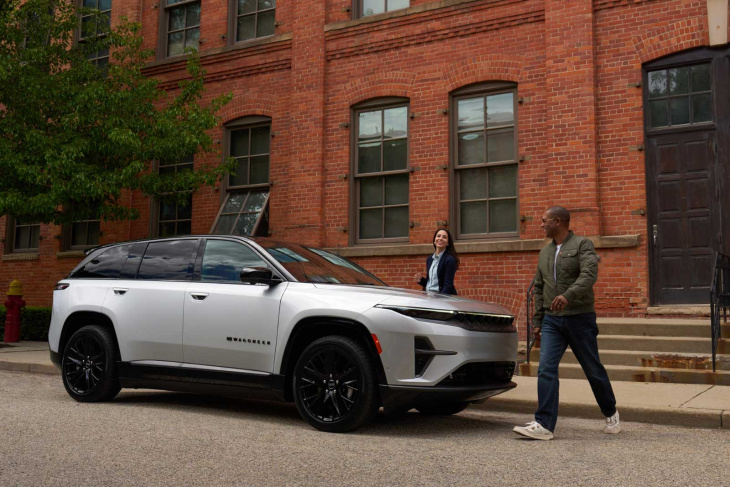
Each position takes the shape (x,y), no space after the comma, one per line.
(164,22)
(233,23)
(380,104)
(156,205)
(79,33)
(67,235)
(484,89)
(358,8)
(11,232)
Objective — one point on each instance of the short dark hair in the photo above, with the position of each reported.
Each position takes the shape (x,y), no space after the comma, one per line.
(559,212)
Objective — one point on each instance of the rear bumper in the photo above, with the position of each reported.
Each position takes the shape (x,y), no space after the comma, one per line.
(394,397)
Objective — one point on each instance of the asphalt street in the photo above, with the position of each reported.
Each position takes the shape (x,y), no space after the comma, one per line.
(161,438)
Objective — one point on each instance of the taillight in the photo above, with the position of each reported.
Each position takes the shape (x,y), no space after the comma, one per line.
(60,286)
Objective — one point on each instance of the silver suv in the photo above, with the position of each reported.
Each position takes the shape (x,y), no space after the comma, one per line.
(268,319)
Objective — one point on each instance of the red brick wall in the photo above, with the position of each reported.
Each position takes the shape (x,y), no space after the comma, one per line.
(572,61)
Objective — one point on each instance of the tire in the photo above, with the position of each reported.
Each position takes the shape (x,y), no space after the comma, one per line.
(334,385)
(442,408)
(88,366)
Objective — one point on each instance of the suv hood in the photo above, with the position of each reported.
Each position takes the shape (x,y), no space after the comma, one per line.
(394,296)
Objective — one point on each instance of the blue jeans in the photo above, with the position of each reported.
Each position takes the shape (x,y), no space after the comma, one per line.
(580,332)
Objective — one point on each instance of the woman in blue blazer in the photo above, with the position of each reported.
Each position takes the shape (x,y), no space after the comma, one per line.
(441,267)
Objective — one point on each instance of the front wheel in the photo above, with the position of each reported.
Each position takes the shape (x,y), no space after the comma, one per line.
(88,366)
(442,408)
(335,388)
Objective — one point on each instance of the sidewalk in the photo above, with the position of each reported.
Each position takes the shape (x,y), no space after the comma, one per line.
(689,405)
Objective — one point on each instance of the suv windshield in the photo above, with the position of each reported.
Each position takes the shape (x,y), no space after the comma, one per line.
(308,264)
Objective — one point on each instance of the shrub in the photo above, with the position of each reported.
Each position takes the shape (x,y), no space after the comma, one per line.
(34,323)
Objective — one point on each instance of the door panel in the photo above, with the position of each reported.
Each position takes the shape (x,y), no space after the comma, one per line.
(685,212)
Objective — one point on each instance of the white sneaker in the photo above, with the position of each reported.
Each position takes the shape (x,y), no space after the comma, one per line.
(612,425)
(534,430)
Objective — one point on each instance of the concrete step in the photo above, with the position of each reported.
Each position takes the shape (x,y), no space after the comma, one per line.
(697,361)
(662,344)
(659,327)
(639,374)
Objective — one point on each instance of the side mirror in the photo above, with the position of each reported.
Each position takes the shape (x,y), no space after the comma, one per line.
(259,275)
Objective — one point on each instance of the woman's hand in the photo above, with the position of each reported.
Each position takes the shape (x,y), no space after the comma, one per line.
(417,277)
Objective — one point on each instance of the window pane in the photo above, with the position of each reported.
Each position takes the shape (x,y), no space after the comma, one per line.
(191,38)
(22,237)
(702,108)
(175,44)
(395,154)
(503,181)
(397,4)
(259,170)
(679,109)
(368,158)
(370,125)
(93,235)
(90,3)
(266,26)
(240,177)
(255,201)
(471,149)
(234,203)
(225,224)
(396,222)
(193,17)
(264,4)
(701,78)
(658,116)
(167,229)
(105,5)
(371,192)
(167,261)
(396,122)
(473,184)
(471,113)
(500,110)
(371,223)
(503,216)
(678,81)
(223,261)
(239,143)
(184,227)
(396,190)
(246,6)
(501,147)
(167,211)
(107,264)
(474,217)
(78,233)
(372,7)
(657,84)
(177,18)
(246,28)
(260,137)
(185,211)
(244,225)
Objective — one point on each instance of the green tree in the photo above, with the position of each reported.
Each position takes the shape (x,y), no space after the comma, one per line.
(74,134)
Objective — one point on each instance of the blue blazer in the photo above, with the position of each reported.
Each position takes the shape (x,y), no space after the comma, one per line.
(445,273)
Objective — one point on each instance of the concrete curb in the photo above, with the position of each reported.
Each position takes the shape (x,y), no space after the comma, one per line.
(686,417)
(30,367)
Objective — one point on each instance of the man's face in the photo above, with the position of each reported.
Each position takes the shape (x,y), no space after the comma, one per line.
(549,225)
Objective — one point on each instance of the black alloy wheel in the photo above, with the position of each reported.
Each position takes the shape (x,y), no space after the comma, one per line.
(335,388)
(88,366)
(442,408)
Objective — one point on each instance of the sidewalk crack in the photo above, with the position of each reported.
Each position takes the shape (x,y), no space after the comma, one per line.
(696,396)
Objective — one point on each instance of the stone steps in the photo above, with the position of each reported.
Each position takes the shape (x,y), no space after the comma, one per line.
(659,327)
(697,361)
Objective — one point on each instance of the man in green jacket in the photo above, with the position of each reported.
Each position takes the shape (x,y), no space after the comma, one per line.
(567,268)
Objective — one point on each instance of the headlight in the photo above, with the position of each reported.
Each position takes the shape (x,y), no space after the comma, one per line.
(472,321)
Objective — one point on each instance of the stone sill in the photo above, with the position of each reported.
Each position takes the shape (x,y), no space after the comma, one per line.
(70,254)
(511,245)
(678,309)
(21,256)
(424,7)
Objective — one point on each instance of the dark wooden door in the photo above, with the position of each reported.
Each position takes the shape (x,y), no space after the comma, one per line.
(684,215)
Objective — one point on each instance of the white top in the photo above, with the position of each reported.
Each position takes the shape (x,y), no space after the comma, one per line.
(433,278)
(555,262)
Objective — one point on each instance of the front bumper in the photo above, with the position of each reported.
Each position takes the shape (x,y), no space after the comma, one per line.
(395,397)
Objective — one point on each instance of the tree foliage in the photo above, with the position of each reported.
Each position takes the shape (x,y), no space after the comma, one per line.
(75,136)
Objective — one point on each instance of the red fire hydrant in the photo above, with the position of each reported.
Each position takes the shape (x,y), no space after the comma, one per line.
(13,305)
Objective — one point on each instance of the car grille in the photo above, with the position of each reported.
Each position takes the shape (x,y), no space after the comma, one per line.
(480,373)
(484,322)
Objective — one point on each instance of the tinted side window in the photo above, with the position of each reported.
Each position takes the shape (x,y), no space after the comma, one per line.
(107,264)
(167,261)
(223,261)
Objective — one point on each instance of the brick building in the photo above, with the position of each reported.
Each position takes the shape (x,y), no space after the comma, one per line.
(363,125)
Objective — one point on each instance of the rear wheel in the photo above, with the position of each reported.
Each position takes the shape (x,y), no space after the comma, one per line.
(335,388)
(88,366)
(442,408)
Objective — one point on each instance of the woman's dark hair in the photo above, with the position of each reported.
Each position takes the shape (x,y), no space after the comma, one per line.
(449,248)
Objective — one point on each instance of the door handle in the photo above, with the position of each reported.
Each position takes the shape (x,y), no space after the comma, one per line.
(655,232)
(119,291)
(198,296)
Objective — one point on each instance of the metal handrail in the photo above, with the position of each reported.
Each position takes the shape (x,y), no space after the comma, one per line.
(530,311)
(719,301)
